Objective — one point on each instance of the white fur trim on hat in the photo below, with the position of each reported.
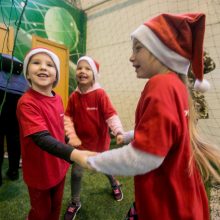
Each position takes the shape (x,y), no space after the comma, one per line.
(201,86)
(52,55)
(167,56)
(92,65)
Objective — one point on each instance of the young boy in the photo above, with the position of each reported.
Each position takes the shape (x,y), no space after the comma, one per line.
(40,114)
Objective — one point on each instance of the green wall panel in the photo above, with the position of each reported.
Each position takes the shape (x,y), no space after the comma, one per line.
(55,20)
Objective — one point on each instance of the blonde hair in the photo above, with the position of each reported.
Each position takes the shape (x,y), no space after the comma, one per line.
(206,155)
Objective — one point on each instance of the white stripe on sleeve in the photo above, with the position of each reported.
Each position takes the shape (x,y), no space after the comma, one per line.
(125,161)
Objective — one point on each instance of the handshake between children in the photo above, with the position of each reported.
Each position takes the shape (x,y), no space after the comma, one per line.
(80,156)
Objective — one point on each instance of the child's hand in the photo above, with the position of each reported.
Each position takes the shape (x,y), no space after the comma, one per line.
(81,156)
(119,139)
(75,141)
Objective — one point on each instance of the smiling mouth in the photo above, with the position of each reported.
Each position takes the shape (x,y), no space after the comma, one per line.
(136,68)
(83,77)
(42,75)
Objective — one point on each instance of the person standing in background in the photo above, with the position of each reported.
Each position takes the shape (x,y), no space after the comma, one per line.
(13,88)
(88,118)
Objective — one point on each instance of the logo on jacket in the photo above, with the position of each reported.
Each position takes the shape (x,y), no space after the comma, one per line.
(186,113)
(91,108)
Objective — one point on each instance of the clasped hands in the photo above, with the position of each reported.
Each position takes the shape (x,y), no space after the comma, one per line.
(81,156)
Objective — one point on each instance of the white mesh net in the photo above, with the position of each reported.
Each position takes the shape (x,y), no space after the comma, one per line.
(108,40)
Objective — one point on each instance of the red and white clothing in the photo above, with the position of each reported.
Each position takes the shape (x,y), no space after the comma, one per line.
(162,129)
(167,192)
(92,113)
(36,113)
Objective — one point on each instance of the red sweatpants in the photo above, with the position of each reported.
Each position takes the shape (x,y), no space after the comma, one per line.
(46,204)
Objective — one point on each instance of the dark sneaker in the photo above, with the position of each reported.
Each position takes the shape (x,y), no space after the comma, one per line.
(71,211)
(117,192)
(12,175)
(132,214)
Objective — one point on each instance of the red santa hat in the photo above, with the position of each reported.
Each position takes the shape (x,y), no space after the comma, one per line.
(52,55)
(93,64)
(176,40)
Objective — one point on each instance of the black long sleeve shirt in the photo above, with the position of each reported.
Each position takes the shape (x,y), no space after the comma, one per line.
(48,143)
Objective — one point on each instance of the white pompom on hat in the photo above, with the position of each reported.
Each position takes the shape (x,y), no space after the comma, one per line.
(176,40)
(93,64)
(37,50)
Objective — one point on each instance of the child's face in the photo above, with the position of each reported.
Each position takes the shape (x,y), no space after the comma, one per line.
(145,64)
(41,72)
(84,74)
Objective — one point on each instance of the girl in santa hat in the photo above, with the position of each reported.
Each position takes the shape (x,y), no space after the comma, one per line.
(166,155)
(88,118)
(40,114)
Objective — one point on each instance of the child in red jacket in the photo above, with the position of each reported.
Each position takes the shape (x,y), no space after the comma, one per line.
(166,156)
(45,156)
(88,117)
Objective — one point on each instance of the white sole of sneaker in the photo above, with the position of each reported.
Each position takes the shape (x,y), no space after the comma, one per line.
(118,200)
(76,212)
